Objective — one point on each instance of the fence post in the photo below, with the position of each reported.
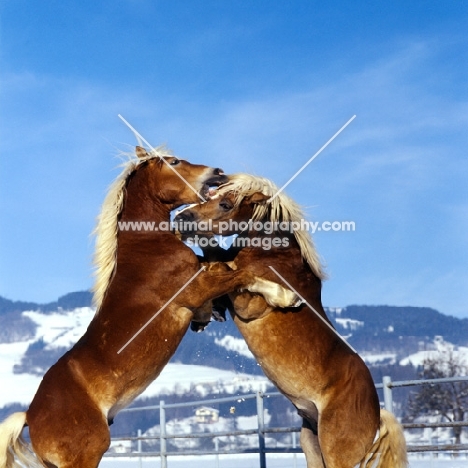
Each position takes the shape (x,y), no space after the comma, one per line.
(387,393)
(294,444)
(261,426)
(140,461)
(216,444)
(162,425)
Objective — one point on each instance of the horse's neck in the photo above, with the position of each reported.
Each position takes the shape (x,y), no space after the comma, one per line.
(140,205)
(145,210)
(144,226)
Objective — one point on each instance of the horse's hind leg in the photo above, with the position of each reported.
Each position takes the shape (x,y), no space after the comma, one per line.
(66,428)
(310,445)
(346,437)
(84,452)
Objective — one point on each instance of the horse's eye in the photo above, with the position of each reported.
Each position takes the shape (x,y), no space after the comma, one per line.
(174,162)
(225,206)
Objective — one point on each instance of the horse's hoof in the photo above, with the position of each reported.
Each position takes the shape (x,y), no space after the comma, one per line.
(298,302)
(292,299)
(219,315)
(198,327)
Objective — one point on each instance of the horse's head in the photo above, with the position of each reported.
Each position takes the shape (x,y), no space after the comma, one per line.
(224,213)
(250,205)
(176,181)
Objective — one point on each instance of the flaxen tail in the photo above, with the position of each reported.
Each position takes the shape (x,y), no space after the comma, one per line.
(14,451)
(389,450)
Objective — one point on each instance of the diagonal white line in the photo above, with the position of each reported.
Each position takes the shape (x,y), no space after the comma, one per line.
(161,309)
(313,310)
(136,133)
(154,151)
(312,158)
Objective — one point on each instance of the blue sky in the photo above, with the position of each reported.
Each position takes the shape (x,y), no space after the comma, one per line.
(249,86)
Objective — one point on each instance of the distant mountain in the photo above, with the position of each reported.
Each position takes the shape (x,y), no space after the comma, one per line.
(399,329)
(14,326)
(410,321)
(69,301)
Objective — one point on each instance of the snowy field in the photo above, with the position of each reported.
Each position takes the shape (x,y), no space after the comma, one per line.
(273,461)
(211,461)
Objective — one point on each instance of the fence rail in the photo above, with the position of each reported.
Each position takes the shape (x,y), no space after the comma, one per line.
(262,430)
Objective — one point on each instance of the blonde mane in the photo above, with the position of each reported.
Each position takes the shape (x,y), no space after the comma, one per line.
(281,208)
(106,231)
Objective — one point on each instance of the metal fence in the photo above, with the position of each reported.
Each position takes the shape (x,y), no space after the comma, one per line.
(387,386)
(262,430)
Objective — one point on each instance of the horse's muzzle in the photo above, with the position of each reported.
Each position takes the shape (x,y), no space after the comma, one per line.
(215,180)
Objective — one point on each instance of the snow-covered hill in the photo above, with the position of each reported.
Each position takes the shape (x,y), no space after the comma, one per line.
(55,330)
(15,387)
(441,350)
(60,330)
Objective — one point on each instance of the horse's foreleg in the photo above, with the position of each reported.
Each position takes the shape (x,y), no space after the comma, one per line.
(202,317)
(218,279)
(275,294)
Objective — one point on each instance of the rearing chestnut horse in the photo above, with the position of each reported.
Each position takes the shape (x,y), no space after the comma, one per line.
(322,376)
(141,275)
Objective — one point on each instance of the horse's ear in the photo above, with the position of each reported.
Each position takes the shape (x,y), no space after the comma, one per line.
(258,198)
(141,152)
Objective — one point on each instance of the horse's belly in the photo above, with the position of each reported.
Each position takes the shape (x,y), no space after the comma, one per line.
(282,361)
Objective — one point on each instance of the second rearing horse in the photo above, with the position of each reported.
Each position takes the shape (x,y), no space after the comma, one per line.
(319,373)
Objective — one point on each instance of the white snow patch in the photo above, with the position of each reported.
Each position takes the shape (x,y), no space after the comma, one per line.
(15,387)
(335,310)
(57,330)
(224,424)
(62,329)
(180,378)
(350,324)
(441,350)
(234,344)
(372,359)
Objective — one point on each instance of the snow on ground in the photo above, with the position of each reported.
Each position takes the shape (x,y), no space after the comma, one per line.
(57,330)
(373,359)
(211,461)
(350,324)
(62,329)
(223,424)
(441,348)
(15,387)
(175,378)
(272,461)
(178,378)
(235,344)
